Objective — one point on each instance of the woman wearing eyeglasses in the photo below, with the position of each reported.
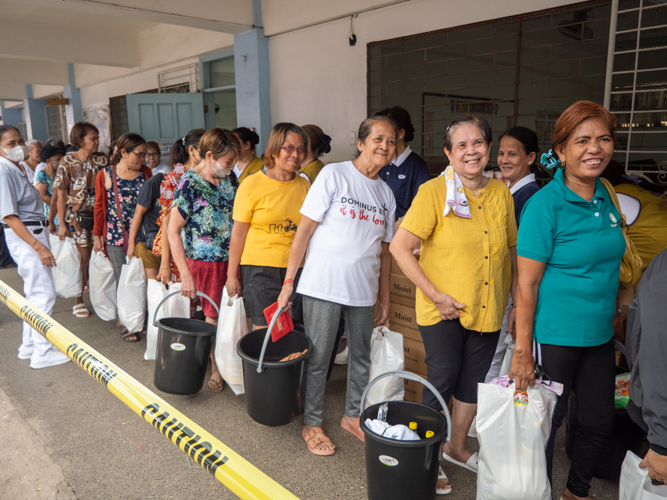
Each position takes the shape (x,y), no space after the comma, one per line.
(154,157)
(266,216)
(117,186)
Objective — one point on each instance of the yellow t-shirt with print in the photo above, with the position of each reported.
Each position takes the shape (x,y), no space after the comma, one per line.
(468,259)
(272,210)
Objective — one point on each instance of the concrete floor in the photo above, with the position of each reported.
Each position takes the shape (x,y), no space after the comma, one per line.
(76,440)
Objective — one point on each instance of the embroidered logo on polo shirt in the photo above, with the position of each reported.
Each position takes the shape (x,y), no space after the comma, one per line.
(613,219)
(401,177)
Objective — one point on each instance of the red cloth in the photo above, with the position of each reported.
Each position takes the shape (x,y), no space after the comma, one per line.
(100,227)
(210,278)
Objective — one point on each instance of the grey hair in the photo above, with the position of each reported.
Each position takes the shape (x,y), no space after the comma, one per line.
(366,127)
(478,121)
(31,144)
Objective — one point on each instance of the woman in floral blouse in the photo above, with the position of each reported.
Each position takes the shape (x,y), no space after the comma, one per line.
(111,228)
(204,202)
(184,156)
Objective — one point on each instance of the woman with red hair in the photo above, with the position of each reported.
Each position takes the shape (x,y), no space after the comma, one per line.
(569,253)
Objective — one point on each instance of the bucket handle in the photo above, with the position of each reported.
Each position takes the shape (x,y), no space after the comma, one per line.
(416,378)
(267,337)
(199,294)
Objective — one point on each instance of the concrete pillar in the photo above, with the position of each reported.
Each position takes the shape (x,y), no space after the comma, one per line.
(73,109)
(35,117)
(251,66)
(11,116)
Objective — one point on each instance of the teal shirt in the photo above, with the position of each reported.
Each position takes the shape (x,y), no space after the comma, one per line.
(582,245)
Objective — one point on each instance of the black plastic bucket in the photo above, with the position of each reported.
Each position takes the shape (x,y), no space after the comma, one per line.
(272,388)
(183,351)
(396,470)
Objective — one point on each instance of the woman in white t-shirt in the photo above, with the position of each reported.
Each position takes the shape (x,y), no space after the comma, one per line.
(347,226)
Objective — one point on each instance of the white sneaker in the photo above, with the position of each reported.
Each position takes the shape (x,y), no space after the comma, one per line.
(25,351)
(341,357)
(53,357)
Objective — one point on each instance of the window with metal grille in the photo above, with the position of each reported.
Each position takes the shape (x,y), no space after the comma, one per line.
(523,70)
(56,123)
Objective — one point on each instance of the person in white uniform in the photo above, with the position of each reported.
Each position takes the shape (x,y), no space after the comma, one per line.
(24,224)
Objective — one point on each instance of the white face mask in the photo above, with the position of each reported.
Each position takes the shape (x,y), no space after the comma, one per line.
(220,171)
(15,154)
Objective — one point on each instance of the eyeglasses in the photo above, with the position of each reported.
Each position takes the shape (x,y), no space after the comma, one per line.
(290,149)
(139,155)
(152,155)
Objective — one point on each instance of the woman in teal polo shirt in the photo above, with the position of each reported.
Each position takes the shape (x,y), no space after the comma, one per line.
(570,247)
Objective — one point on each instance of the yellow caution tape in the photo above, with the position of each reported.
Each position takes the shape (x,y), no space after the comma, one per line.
(232,470)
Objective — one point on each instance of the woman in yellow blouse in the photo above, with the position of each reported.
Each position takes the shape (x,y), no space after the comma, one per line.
(247,163)
(266,217)
(466,226)
(319,144)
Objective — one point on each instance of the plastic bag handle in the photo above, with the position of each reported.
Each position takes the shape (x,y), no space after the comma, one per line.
(416,378)
(199,294)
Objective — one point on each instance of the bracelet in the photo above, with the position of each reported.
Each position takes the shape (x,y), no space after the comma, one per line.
(288,281)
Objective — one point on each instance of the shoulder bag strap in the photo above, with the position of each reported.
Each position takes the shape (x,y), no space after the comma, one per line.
(614,199)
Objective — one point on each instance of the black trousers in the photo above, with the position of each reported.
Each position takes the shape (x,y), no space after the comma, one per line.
(457,360)
(591,372)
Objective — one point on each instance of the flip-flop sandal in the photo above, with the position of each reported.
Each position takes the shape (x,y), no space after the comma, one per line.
(314,438)
(124,332)
(442,491)
(80,311)
(128,335)
(471,464)
(217,387)
(354,430)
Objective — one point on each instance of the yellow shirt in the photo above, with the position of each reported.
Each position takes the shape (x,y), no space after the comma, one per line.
(312,169)
(468,259)
(255,165)
(649,230)
(272,210)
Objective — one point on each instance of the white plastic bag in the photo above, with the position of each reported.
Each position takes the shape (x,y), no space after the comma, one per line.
(635,482)
(386,356)
(512,440)
(67,276)
(177,306)
(232,325)
(509,354)
(102,286)
(132,295)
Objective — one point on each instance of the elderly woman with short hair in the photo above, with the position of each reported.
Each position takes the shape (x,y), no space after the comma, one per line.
(465,224)
(266,217)
(31,162)
(346,224)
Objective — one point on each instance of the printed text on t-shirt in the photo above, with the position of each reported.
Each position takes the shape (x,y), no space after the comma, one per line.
(363,211)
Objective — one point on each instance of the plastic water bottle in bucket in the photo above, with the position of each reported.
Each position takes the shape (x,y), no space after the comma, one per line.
(397,469)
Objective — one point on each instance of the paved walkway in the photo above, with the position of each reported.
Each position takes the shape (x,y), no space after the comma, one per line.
(64,436)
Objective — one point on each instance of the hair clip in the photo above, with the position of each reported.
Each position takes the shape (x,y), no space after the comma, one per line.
(183,141)
(550,160)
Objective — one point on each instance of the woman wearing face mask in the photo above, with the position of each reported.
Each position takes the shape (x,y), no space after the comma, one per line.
(50,156)
(570,250)
(465,224)
(516,155)
(76,201)
(23,222)
(319,144)
(184,156)
(247,163)
(116,191)
(347,223)
(203,212)
(266,216)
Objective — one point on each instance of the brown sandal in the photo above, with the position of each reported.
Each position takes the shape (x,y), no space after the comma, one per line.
(215,386)
(313,438)
(353,428)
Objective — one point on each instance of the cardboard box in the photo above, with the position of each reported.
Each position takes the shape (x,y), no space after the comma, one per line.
(415,356)
(402,291)
(403,320)
(413,390)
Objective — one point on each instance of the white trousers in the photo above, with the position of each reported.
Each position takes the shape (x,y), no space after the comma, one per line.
(38,286)
(501,348)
